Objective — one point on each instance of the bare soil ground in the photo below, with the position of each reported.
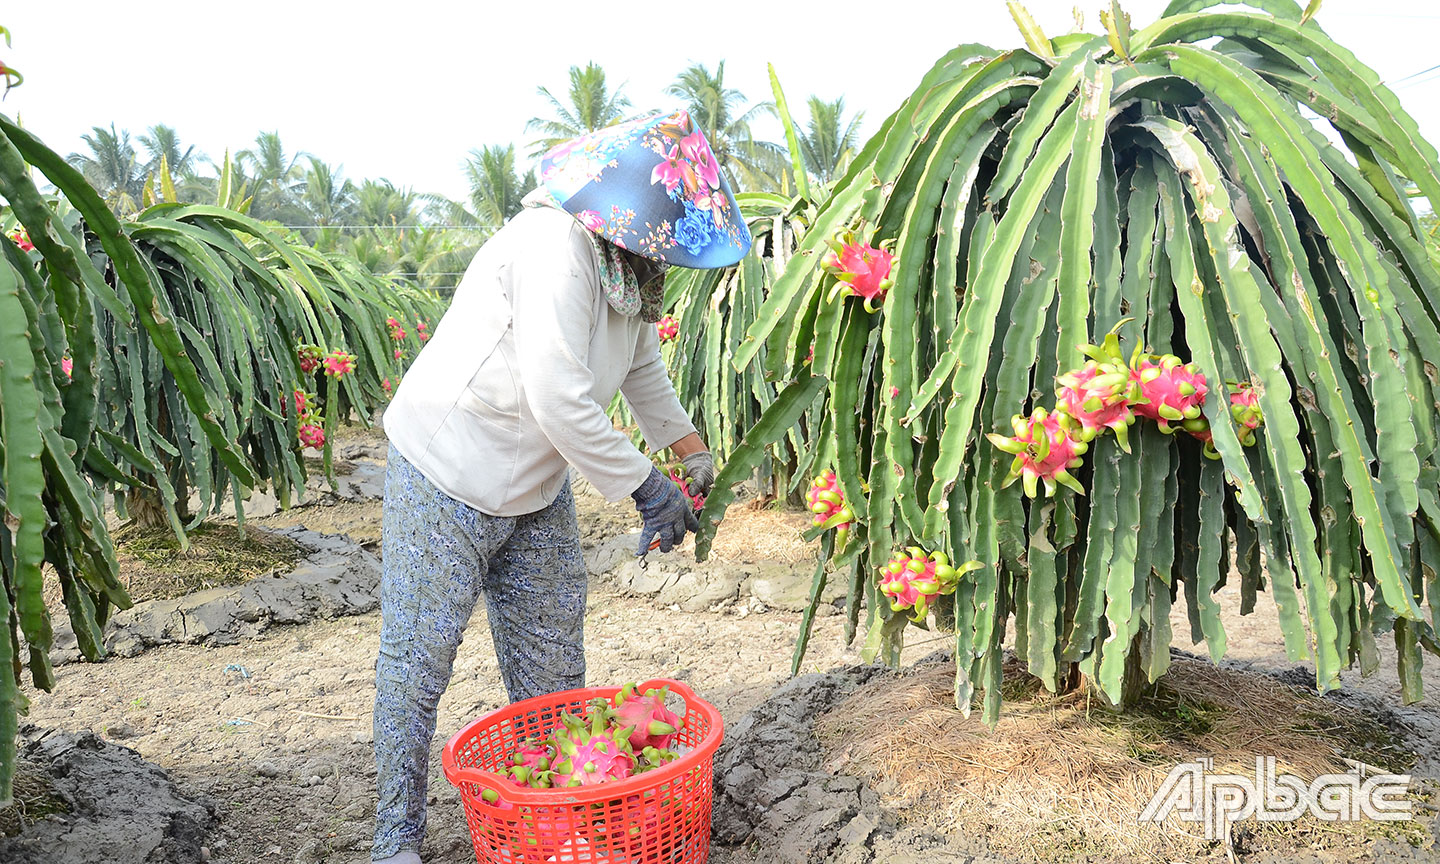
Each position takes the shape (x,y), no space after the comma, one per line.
(276,731)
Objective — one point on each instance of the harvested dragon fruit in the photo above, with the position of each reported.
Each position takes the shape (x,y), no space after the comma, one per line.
(530,765)
(651,724)
(668,328)
(861,269)
(591,754)
(826,500)
(1046,446)
(1171,391)
(912,581)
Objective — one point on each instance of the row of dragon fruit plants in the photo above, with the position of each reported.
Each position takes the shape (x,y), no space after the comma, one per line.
(173,363)
(1091,327)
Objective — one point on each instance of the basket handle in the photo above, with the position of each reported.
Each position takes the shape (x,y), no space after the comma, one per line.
(485,780)
(676,687)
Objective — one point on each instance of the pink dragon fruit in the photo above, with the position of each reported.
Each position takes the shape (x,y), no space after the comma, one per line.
(589,755)
(651,724)
(651,758)
(1098,396)
(1171,391)
(826,500)
(304,404)
(422,330)
(21,238)
(1044,457)
(312,436)
(310,356)
(530,764)
(338,363)
(1245,408)
(677,474)
(859,268)
(668,328)
(67,365)
(386,387)
(397,332)
(911,581)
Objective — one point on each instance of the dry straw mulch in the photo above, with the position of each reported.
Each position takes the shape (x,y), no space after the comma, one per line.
(1066,776)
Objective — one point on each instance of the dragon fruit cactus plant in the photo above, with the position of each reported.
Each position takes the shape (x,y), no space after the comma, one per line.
(860,269)
(668,328)
(591,754)
(826,500)
(913,580)
(1046,445)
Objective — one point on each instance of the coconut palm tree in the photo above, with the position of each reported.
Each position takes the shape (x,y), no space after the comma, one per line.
(276,176)
(720,112)
(112,168)
(591,106)
(828,142)
(163,141)
(496,188)
(328,198)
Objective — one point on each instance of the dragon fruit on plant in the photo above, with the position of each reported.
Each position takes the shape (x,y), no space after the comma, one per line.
(677,474)
(21,238)
(913,580)
(312,435)
(422,330)
(397,332)
(668,328)
(1245,408)
(1171,390)
(67,365)
(826,500)
(310,357)
(1046,446)
(338,363)
(859,268)
(1099,396)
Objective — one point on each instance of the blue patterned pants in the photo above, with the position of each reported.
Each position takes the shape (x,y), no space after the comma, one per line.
(439,556)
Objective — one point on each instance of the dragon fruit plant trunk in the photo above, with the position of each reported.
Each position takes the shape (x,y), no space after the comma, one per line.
(1146,331)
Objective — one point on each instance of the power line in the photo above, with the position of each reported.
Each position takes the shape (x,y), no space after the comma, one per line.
(1415,75)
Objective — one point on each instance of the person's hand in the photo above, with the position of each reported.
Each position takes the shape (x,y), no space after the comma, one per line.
(666,512)
(700,467)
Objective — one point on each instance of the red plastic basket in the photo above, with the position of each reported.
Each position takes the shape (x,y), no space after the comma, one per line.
(659,816)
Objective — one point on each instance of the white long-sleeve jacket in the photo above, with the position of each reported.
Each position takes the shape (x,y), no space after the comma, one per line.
(515,381)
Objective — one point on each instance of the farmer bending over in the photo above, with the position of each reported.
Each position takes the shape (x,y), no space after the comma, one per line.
(553,317)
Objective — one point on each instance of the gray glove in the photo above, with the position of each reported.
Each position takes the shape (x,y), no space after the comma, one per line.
(700,466)
(665,511)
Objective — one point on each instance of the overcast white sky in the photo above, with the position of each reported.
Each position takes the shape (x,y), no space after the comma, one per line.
(403,90)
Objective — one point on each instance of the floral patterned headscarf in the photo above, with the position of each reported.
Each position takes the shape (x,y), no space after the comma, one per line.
(651,186)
